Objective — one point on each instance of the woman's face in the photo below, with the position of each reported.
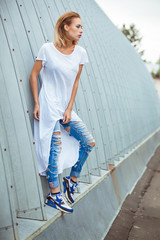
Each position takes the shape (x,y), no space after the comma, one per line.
(74,30)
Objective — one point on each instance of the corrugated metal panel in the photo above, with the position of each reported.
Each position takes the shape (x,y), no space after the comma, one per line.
(8,226)
(116,97)
(18,127)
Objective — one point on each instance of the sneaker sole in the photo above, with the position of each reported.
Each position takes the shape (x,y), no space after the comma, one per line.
(54,205)
(65,185)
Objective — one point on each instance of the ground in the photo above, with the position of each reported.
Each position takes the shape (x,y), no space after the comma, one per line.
(139,217)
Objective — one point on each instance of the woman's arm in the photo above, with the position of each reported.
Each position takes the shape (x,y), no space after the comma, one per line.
(67,114)
(34,86)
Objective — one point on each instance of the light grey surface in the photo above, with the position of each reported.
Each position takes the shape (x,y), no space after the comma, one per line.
(22,159)
(8,227)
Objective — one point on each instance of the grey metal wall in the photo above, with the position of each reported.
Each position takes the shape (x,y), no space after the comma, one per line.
(116,97)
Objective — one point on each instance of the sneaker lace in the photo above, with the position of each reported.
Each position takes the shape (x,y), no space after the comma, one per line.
(73,187)
(61,198)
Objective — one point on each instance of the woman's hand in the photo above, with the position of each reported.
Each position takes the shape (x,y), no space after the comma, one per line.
(67,116)
(36,111)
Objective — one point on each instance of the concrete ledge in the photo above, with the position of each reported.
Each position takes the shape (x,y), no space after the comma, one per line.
(98,204)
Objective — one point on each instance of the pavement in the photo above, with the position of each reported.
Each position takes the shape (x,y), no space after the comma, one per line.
(139,217)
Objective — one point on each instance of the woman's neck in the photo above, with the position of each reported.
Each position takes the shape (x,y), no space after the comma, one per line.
(69,44)
(68,49)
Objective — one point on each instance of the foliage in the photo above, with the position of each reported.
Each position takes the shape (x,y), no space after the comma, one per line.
(157,74)
(133,35)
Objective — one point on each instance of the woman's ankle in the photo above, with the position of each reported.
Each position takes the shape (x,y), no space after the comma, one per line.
(74,179)
(55,190)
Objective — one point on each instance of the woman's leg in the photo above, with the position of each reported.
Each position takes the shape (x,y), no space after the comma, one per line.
(55,198)
(55,149)
(87,142)
(78,130)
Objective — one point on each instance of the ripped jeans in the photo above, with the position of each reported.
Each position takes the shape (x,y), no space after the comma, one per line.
(78,130)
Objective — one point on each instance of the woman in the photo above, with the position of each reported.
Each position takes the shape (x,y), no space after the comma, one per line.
(56,126)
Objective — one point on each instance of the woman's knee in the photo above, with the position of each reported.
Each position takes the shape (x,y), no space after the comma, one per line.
(92,143)
(89,141)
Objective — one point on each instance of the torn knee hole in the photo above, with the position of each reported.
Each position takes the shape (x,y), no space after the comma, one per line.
(58,133)
(57,138)
(91,144)
(67,129)
(59,143)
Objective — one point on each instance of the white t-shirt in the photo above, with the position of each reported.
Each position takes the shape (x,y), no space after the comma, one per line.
(59,74)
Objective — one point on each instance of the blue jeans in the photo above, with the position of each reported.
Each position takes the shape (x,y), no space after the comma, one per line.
(78,130)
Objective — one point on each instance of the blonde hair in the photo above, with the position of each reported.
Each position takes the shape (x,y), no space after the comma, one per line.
(60,38)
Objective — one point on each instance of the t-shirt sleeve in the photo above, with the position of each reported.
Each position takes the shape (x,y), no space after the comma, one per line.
(84,57)
(42,55)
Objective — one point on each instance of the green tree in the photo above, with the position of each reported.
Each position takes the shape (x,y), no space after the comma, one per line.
(133,35)
(158,71)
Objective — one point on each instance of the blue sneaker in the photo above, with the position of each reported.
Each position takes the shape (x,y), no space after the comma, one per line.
(58,201)
(69,188)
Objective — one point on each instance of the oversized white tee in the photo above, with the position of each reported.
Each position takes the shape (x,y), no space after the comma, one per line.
(59,73)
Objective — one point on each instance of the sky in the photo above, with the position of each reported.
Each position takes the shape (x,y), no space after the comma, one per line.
(145,14)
